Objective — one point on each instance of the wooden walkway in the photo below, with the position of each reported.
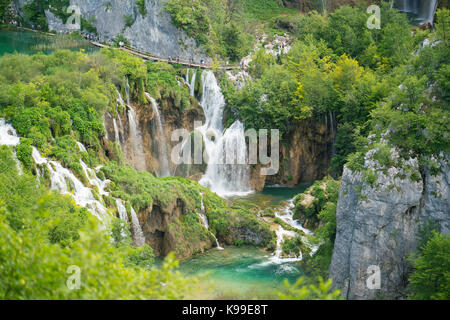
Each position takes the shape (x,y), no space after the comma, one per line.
(144,55)
(149,57)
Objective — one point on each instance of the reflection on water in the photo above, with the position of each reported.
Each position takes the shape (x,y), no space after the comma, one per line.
(27,42)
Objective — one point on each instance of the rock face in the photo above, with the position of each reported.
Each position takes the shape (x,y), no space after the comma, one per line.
(305,156)
(377,225)
(163,232)
(174,119)
(153,33)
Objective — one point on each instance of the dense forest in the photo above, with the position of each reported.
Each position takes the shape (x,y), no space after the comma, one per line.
(384,92)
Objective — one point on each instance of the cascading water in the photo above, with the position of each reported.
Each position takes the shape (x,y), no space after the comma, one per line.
(94,180)
(81,147)
(192,84)
(164,170)
(9,137)
(205,223)
(116,131)
(423,10)
(138,235)
(127,91)
(286,215)
(227,172)
(135,136)
(65,182)
(121,103)
(122,210)
(135,140)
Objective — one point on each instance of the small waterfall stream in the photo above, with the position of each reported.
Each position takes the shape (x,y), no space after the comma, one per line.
(138,235)
(286,215)
(94,180)
(135,139)
(161,139)
(192,84)
(121,103)
(204,219)
(122,210)
(423,10)
(65,182)
(116,131)
(9,137)
(227,172)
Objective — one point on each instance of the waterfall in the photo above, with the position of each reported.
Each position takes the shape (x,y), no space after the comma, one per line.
(138,235)
(192,84)
(81,147)
(94,180)
(8,135)
(324,5)
(116,131)
(122,210)
(286,215)
(65,182)
(227,172)
(18,164)
(423,10)
(127,91)
(121,103)
(277,257)
(204,219)
(136,142)
(161,139)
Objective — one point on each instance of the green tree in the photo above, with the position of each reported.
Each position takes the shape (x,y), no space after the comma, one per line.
(431,276)
(301,291)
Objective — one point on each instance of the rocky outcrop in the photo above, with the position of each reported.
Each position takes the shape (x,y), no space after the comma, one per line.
(378,221)
(153,33)
(173,118)
(305,156)
(163,231)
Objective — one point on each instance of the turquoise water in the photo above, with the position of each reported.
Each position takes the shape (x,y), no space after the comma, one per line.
(244,272)
(27,42)
(239,273)
(274,196)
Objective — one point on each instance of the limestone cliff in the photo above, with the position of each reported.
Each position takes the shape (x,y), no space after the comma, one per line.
(174,118)
(153,33)
(305,156)
(378,220)
(165,232)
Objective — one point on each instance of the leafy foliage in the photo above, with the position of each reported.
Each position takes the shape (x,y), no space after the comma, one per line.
(431,276)
(68,236)
(300,291)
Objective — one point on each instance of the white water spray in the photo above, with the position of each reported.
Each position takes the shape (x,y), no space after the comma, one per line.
(227,173)
(138,235)
(135,139)
(161,139)
(122,210)
(65,182)
(204,219)
(8,135)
